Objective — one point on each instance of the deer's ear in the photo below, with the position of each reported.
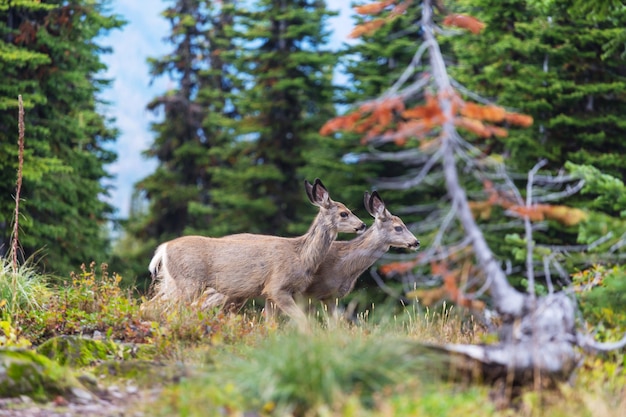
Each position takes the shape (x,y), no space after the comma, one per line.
(377,206)
(366,202)
(308,187)
(320,194)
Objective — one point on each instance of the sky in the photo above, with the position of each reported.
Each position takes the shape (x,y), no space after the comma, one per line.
(133,88)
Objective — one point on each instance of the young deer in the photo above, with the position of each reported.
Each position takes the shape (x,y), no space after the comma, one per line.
(346,260)
(241,268)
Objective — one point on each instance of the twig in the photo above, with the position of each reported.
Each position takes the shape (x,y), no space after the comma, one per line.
(20,141)
(410,69)
(414,181)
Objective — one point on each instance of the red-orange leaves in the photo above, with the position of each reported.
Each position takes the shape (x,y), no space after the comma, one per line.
(340,123)
(366,28)
(430,110)
(373,8)
(475,114)
(519,119)
(377,8)
(488,113)
(371,119)
(567,216)
(464,22)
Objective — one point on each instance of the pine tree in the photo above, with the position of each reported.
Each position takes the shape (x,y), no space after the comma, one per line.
(198,114)
(51,57)
(288,78)
(549,61)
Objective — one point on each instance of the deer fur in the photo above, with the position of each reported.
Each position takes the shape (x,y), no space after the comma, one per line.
(346,260)
(241,268)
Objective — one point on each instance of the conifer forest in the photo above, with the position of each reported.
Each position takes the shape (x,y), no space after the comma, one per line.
(482,142)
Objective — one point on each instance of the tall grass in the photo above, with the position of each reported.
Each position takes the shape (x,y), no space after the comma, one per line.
(21,287)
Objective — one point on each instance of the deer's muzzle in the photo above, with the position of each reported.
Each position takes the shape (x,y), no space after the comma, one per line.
(414,245)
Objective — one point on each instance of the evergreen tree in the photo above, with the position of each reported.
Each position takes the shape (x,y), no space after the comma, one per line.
(288,78)
(547,60)
(195,126)
(50,56)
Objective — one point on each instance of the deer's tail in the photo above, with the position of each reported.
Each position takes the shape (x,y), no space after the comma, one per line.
(158,261)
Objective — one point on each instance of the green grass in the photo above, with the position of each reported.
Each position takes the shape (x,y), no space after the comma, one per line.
(21,288)
(236,365)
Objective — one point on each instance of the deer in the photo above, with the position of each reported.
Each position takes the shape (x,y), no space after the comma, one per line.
(247,265)
(345,261)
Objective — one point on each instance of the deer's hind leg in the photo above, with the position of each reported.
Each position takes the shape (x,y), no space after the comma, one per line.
(284,301)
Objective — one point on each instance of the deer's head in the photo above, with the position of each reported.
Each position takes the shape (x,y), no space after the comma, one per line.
(390,227)
(335,212)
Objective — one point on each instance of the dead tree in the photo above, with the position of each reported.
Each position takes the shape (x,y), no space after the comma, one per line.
(538,336)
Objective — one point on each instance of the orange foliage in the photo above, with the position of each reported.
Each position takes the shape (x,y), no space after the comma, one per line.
(473,125)
(399,124)
(408,129)
(497,131)
(340,123)
(534,213)
(397,267)
(430,110)
(450,288)
(400,8)
(488,113)
(567,216)
(519,119)
(373,8)
(464,22)
(366,28)
(481,209)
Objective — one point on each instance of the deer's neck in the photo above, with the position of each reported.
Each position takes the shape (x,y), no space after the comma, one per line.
(316,242)
(358,254)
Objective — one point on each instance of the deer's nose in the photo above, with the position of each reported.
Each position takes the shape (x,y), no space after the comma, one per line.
(361,228)
(415,244)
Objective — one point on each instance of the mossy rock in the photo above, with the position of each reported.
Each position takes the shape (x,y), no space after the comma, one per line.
(143,372)
(78,351)
(25,372)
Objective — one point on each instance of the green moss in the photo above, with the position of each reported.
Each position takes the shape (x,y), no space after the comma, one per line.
(143,372)
(25,372)
(77,351)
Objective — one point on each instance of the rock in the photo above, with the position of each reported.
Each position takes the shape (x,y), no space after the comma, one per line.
(25,372)
(78,351)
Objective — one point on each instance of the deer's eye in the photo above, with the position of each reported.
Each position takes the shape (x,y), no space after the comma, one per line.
(398,228)
(344,214)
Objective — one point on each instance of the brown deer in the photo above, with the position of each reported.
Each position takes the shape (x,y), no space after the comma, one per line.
(241,268)
(346,260)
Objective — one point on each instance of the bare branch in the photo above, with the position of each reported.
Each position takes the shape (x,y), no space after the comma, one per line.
(569,191)
(586,342)
(621,242)
(465,91)
(410,69)
(415,180)
(546,269)
(530,271)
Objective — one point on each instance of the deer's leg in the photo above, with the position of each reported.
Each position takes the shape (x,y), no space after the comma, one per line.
(287,304)
(270,310)
(233,305)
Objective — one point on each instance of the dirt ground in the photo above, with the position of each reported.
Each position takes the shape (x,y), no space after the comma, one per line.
(114,401)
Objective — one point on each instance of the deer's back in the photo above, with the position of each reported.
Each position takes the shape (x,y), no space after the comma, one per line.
(234,266)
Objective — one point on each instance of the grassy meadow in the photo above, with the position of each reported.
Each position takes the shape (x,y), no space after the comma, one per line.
(239,365)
